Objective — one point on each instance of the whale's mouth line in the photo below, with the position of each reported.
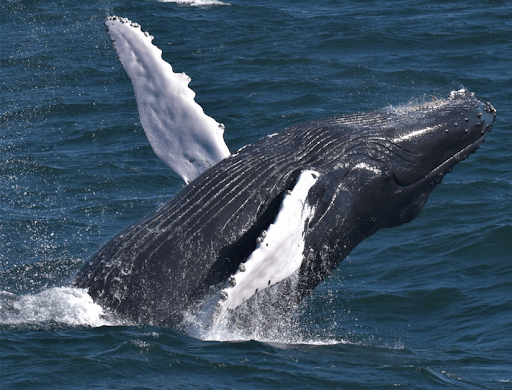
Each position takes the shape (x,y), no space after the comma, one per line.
(436,175)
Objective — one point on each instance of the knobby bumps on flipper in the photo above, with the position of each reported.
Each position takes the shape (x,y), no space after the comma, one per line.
(180,133)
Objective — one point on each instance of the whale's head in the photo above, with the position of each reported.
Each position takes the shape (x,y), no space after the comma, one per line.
(387,163)
(449,130)
(382,170)
(413,154)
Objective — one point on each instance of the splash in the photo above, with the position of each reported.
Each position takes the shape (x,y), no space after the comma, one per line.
(62,305)
(272,316)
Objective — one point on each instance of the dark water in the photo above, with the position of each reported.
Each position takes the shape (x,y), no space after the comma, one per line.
(427,305)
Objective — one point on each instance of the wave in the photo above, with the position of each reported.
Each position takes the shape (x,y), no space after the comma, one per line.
(70,306)
(73,307)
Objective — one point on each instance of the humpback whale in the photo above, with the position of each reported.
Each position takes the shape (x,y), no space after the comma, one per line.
(284,211)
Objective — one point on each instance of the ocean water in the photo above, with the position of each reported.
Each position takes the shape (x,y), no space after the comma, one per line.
(427,305)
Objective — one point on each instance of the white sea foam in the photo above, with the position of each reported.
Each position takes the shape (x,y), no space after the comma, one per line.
(64,305)
(195,3)
(260,319)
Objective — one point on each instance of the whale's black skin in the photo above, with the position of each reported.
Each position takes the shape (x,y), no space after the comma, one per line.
(376,170)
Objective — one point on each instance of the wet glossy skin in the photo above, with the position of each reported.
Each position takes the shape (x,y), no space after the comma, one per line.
(376,170)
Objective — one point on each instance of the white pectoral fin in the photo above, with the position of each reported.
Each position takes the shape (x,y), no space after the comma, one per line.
(279,252)
(179,131)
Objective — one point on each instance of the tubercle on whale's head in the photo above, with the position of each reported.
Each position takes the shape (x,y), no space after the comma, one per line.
(448,131)
(432,139)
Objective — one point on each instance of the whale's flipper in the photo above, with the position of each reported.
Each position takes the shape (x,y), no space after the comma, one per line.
(279,252)
(179,131)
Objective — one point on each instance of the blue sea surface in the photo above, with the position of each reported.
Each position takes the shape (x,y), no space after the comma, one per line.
(427,305)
